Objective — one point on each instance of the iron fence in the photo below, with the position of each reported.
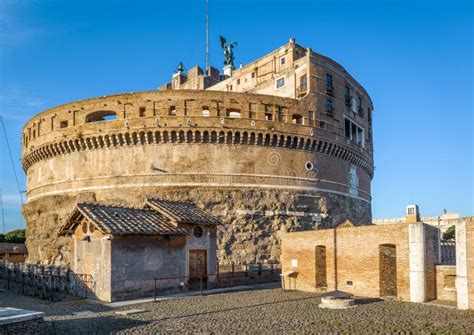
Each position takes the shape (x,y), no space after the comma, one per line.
(226,276)
(45,282)
(448,253)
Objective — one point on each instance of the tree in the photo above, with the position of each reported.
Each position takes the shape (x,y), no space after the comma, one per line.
(449,234)
(16,236)
(2,238)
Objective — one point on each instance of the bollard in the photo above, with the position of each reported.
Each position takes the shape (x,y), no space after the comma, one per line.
(200,283)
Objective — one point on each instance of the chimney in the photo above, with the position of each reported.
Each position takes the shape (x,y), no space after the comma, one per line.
(412,214)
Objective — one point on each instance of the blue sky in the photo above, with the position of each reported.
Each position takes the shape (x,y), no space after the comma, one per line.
(413,57)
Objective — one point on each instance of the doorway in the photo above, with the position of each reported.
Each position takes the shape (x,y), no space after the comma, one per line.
(388,270)
(320,267)
(197,268)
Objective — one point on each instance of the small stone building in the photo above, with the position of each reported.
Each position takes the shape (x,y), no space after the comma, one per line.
(123,249)
(395,260)
(13,252)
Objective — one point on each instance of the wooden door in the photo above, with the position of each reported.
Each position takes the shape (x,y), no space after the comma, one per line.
(197,263)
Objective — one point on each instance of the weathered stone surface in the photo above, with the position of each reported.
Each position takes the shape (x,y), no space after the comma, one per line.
(242,238)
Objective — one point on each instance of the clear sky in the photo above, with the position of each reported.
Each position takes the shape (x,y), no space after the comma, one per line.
(415,58)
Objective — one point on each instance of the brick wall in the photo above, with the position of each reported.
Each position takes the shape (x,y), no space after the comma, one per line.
(370,260)
(446,282)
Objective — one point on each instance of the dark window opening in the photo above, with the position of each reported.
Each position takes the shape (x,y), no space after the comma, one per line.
(329,83)
(141,112)
(197,232)
(347,95)
(63,124)
(297,119)
(329,105)
(172,111)
(347,128)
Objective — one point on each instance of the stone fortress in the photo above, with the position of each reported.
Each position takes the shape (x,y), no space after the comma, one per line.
(281,144)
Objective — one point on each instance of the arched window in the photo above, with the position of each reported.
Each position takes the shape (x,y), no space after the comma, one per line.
(101,116)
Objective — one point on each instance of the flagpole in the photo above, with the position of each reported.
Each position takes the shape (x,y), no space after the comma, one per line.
(207,36)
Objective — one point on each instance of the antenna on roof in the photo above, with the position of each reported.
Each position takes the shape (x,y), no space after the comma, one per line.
(207,36)
(11,158)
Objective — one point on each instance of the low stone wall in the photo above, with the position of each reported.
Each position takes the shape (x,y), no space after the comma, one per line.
(19,321)
(446,282)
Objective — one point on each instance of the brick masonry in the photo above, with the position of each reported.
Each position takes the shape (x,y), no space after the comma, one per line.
(360,260)
(446,282)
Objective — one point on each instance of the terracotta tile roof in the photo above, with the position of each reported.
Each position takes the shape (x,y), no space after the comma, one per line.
(182,212)
(117,220)
(13,248)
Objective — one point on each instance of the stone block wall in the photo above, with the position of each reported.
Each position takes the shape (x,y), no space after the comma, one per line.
(36,326)
(253,219)
(465,264)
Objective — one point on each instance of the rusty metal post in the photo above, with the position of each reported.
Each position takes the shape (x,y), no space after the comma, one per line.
(200,283)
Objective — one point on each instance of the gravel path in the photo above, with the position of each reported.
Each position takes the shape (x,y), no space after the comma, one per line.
(262,311)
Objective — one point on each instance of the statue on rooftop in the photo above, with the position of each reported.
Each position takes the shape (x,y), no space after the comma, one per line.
(228,53)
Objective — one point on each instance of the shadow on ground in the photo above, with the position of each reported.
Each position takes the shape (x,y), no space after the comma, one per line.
(93,325)
(365,301)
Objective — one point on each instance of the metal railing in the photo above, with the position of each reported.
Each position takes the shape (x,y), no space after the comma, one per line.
(448,253)
(226,276)
(45,282)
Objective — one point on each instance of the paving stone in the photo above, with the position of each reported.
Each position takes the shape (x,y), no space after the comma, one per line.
(250,312)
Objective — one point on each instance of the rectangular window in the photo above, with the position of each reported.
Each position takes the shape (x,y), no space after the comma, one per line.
(329,83)
(282,60)
(141,112)
(280,82)
(63,124)
(360,137)
(238,81)
(172,111)
(253,74)
(347,128)
(329,106)
(353,132)
(303,81)
(347,93)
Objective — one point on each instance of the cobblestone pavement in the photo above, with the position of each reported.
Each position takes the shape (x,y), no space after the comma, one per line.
(261,311)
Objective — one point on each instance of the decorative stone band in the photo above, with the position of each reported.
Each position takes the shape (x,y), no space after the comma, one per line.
(195,180)
(161,136)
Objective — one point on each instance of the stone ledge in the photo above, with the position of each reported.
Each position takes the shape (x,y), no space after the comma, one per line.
(9,315)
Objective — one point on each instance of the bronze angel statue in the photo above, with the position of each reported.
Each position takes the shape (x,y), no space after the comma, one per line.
(228,53)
